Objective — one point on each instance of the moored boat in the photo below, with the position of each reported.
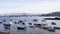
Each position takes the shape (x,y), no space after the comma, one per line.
(21,27)
(51,29)
(56,27)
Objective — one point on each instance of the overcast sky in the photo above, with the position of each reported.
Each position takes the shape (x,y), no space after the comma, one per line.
(29,6)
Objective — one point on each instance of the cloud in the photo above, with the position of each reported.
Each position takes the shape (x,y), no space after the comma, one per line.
(31,7)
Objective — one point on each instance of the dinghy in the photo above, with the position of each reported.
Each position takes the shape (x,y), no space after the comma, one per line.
(56,27)
(21,27)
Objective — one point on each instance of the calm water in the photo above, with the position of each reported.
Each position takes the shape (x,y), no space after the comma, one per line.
(32,31)
(28,30)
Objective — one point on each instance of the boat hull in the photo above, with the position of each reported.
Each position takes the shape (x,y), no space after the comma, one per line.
(21,28)
(56,27)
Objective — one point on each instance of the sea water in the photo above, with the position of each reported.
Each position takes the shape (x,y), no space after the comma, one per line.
(28,30)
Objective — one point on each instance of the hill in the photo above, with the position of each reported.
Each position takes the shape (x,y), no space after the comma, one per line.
(52,14)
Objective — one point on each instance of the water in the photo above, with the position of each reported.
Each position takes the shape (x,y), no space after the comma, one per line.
(28,30)
(32,31)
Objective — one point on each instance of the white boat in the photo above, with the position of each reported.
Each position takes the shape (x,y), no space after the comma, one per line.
(21,27)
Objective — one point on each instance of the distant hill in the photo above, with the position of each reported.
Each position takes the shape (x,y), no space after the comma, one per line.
(52,14)
(27,14)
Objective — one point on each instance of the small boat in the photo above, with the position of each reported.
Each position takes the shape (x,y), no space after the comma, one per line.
(0,22)
(37,25)
(31,26)
(21,27)
(6,26)
(45,28)
(51,29)
(56,27)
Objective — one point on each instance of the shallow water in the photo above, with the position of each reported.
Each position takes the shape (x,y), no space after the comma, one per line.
(28,30)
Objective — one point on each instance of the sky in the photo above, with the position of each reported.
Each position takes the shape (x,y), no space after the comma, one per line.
(29,6)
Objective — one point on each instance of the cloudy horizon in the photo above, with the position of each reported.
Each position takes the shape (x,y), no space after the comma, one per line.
(29,6)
